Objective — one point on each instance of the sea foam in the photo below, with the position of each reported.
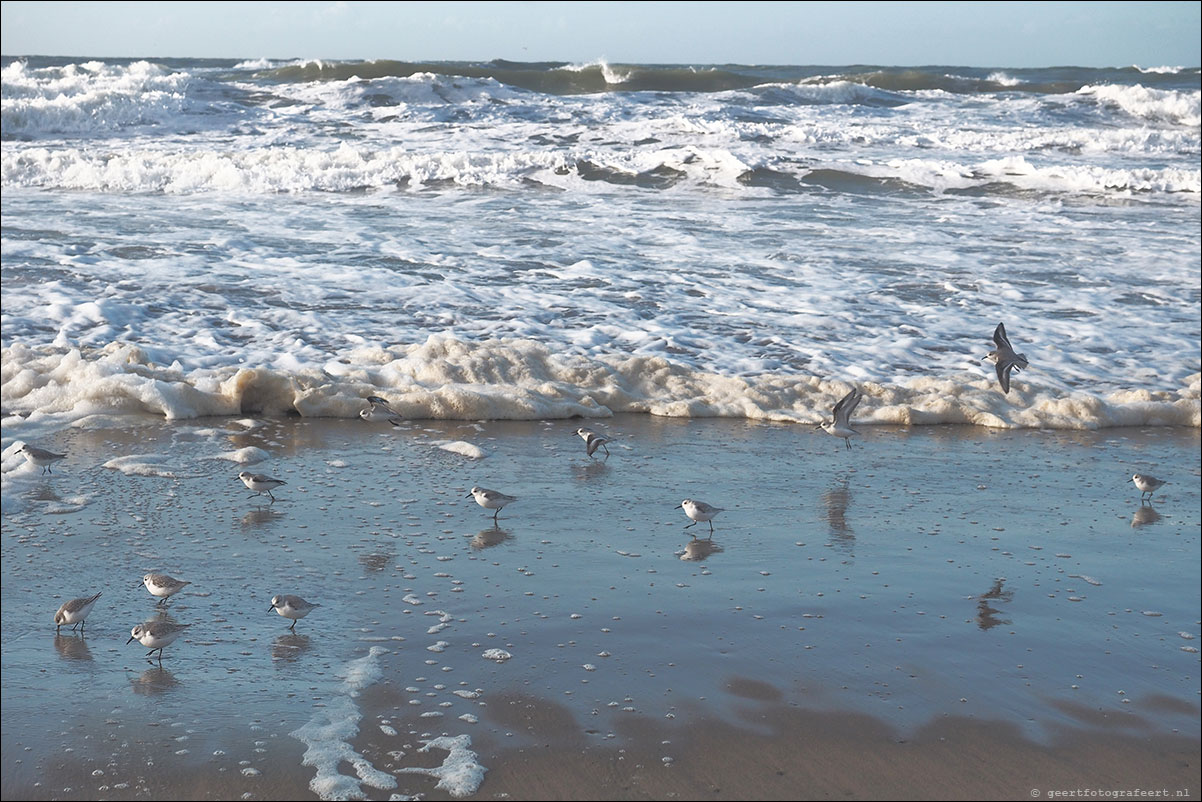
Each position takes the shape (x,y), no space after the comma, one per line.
(449,379)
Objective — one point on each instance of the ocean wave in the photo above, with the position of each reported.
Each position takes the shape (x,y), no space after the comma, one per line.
(844,93)
(915,81)
(554,79)
(88,97)
(355,169)
(1005,177)
(1161,105)
(1164,70)
(446,378)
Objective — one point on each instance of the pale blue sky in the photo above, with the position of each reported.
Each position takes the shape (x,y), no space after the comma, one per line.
(999,34)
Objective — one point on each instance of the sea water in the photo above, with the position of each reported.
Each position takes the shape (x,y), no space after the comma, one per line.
(498,240)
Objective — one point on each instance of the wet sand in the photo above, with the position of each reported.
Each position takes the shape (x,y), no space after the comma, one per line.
(940,612)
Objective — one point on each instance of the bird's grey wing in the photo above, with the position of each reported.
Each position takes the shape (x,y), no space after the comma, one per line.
(855,402)
(845,406)
(1003,373)
(1000,338)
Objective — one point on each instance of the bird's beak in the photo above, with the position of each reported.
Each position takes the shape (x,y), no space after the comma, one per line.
(131,640)
(469,495)
(272,607)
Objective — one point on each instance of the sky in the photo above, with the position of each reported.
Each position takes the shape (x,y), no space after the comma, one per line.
(971,34)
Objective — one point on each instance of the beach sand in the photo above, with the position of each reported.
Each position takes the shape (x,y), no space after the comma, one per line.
(940,612)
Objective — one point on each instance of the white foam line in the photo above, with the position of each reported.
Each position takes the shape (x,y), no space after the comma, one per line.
(328,734)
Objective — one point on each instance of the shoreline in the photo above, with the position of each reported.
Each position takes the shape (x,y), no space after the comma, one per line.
(1004,591)
(771,750)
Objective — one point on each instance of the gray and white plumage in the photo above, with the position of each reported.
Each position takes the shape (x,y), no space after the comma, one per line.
(293,607)
(699,511)
(490,499)
(163,586)
(840,423)
(1147,485)
(41,457)
(593,441)
(156,635)
(74,612)
(1005,358)
(378,410)
(260,483)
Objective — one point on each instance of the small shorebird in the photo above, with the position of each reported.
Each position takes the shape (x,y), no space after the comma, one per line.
(1147,485)
(155,635)
(1005,358)
(260,483)
(593,441)
(41,457)
(490,500)
(293,607)
(699,511)
(378,410)
(74,612)
(163,586)
(840,423)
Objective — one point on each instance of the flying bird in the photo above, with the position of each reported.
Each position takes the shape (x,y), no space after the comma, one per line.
(1004,357)
(840,423)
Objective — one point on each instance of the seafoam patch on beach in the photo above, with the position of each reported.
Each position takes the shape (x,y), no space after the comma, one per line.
(329,733)
(144,465)
(244,456)
(460,774)
(463,448)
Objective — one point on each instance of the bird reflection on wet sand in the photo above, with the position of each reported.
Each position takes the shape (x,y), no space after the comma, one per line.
(487,538)
(834,505)
(153,681)
(72,647)
(1146,514)
(987,615)
(289,647)
(584,471)
(260,516)
(699,549)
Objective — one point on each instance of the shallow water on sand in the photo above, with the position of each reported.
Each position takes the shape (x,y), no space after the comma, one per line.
(928,572)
